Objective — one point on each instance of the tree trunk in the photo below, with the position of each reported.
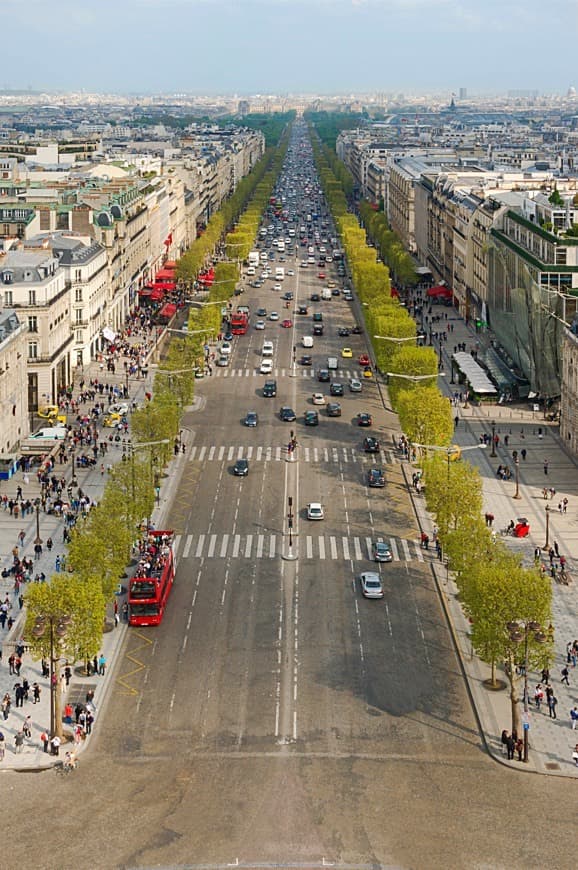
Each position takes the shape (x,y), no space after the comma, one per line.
(514,697)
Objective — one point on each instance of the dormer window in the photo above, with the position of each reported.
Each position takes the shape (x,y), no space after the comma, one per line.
(7,277)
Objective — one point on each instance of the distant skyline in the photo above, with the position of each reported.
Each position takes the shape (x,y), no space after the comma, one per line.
(296,46)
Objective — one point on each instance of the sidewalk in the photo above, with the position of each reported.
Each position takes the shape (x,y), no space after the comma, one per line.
(551,741)
(92,482)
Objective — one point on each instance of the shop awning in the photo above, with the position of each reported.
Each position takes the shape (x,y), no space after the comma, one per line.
(145,291)
(164,285)
(157,294)
(170,264)
(164,275)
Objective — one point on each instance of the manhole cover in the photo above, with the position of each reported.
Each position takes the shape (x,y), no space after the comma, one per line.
(551,765)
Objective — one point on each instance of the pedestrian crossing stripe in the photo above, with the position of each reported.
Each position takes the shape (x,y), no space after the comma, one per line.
(318,547)
(282,373)
(204,453)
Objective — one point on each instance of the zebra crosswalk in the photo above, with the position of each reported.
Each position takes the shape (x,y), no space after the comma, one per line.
(309,373)
(214,453)
(314,547)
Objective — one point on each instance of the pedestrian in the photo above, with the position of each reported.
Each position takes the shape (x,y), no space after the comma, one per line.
(552,704)
(101,665)
(564,504)
(523,453)
(5,706)
(35,693)
(2,746)
(545,675)
(49,544)
(556,550)
(538,696)
(565,672)
(89,721)
(546,467)
(27,727)
(519,748)
(55,744)
(510,746)
(57,564)
(574,718)
(11,661)
(44,741)
(19,741)
(125,611)
(67,674)
(504,740)
(575,755)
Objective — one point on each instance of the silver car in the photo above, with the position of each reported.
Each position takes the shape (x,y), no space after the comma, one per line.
(382,552)
(371,585)
(355,386)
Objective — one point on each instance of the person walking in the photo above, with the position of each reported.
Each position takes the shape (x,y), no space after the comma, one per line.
(2,746)
(538,696)
(19,741)
(519,748)
(5,706)
(55,744)
(510,745)
(552,704)
(546,467)
(101,665)
(574,718)
(36,693)
(565,674)
(44,740)
(27,727)
(504,740)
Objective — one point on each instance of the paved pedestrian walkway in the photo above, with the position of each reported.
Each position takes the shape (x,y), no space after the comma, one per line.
(22,532)
(545,465)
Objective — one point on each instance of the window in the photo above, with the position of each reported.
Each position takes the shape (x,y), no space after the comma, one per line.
(32,297)
(561,256)
(32,324)
(8,298)
(79,315)
(78,294)
(77,275)
(79,341)
(32,350)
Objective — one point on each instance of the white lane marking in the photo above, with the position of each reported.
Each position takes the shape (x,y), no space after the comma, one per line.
(309,546)
(211,453)
(192,453)
(357,548)
(315,454)
(250,451)
(212,544)
(230,454)
(394,551)
(248,545)
(277,454)
(221,453)
(272,547)
(236,545)
(321,547)
(333,547)
(187,546)
(224,545)
(202,452)
(240,453)
(259,452)
(345,548)
(200,544)
(418,551)
(405,548)
(369,545)
(260,541)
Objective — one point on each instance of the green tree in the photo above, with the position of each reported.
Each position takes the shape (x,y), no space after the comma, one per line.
(425,416)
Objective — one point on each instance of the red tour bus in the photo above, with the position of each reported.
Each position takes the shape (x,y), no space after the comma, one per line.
(150,587)
(239,322)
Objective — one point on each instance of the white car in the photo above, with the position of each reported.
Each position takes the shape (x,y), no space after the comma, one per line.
(260,324)
(226,348)
(266,366)
(315,511)
(277,287)
(273,316)
(290,272)
(355,386)
(119,409)
(318,399)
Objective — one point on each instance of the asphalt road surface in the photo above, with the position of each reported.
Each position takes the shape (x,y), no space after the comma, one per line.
(277,718)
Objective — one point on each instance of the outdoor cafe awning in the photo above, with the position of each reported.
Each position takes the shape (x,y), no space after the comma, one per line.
(440,291)
(474,374)
(157,294)
(168,310)
(164,275)
(164,285)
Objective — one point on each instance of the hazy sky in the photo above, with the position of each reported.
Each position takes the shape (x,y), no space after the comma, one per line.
(278,46)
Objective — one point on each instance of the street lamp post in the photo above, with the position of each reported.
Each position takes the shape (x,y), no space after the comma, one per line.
(38,539)
(57,626)
(493,454)
(547,544)
(517,470)
(522,630)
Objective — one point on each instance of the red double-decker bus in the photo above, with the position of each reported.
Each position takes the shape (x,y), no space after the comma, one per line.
(149,589)
(239,322)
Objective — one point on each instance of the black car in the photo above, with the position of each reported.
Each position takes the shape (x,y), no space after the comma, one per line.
(336,389)
(343,331)
(311,418)
(323,376)
(306,360)
(371,445)
(375,477)
(251,419)
(334,409)
(317,317)
(228,336)
(261,312)
(356,330)
(270,389)
(302,309)
(241,468)
(364,419)
(287,414)
(317,329)
(288,296)
(336,291)
(315,297)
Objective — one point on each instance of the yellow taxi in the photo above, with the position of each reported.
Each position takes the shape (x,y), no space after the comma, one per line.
(111,421)
(346,353)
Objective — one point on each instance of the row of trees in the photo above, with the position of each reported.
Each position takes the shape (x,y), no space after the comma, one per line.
(495,589)
(102,541)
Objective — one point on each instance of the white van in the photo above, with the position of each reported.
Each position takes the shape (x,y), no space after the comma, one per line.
(307,341)
(51,433)
(332,363)
(267,348)
(251,270)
